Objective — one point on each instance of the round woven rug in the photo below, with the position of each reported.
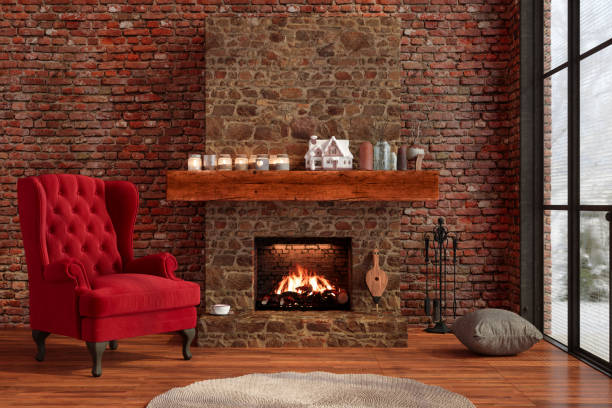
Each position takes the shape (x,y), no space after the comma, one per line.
(316,389)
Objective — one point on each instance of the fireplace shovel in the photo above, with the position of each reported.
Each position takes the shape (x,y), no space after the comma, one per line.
(377,280)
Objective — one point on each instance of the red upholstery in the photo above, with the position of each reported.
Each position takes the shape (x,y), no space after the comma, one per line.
(126,293)
(84,283)
(116,327)
(163,264)
(78,225)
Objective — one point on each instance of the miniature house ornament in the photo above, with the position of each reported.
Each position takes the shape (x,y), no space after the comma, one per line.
(331,154)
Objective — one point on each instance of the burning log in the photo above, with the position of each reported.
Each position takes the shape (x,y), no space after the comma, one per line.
(270,300)
(304,290)
(287,299)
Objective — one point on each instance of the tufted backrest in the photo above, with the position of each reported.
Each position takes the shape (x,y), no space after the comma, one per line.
(77,224)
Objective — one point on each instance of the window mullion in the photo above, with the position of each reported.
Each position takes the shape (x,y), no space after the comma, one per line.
(574,174)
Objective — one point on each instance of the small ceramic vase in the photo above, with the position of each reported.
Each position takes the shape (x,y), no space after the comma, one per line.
(366,156)
(402,158)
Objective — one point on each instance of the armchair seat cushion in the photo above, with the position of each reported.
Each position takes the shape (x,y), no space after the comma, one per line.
(128,293)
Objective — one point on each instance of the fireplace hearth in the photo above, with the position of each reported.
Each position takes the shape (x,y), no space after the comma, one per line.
(302,273)
(248,255)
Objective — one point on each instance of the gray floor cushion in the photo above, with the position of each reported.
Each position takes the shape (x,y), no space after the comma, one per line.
(496,332)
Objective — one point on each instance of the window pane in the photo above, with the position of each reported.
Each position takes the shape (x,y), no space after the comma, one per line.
(555,138)
(555,275)
(596,128)
(555,33)
(595,283)
(595,23)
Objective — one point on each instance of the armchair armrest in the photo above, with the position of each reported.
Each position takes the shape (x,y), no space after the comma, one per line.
(66,270)
(162,264)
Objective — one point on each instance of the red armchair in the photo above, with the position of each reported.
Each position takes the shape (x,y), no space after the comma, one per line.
(84,281)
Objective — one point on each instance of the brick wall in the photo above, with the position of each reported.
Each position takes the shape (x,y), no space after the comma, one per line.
(116,90)
(513,143)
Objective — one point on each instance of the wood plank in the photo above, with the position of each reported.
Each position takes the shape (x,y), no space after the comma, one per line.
(146,366)
(253,185)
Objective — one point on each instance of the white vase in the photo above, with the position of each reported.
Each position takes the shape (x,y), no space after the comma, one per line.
(413,152)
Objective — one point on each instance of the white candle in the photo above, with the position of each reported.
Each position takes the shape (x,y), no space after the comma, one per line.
(241,162)
(282,162)
(262,163)
(194,163)
(224,162)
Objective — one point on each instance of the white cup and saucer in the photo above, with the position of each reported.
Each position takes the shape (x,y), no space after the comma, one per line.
(220,309)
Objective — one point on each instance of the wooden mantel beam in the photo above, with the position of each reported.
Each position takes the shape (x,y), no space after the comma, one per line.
(254,185)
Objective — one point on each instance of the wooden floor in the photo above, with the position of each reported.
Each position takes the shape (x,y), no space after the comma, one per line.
(144,367)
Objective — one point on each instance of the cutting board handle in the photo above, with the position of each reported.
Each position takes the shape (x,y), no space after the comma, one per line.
(375,257)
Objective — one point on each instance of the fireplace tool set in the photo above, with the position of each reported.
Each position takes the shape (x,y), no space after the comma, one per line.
(440,270)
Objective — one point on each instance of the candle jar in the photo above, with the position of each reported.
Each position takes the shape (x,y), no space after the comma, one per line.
(272,161)
(224,162)
(262,162)
(210,161)
(282,162)
(241,162)
(194,163)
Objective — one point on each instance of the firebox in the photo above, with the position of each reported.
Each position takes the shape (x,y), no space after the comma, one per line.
(302,273)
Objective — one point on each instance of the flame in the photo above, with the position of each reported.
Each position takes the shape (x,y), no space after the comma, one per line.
(303,281)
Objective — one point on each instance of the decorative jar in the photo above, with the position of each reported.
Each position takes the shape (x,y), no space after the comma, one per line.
(224,162)
(194,163)
(241,162)
(382,156)
(210,161)
(282,162)
(262,162)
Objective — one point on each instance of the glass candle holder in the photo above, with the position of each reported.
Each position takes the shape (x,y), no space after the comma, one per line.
(252,159)
(194,163)
(210,161)
(224,162)
(272,161)
(262,162)
(282,162)
(241,162)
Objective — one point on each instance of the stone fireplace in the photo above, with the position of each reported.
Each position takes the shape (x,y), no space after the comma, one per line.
(232,231)
(271,82)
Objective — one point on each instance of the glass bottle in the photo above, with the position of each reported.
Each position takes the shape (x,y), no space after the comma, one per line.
(382,156)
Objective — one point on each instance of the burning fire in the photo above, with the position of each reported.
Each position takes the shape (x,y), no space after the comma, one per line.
(303,281)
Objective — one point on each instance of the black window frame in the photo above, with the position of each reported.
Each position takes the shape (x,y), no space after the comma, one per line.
(532,174)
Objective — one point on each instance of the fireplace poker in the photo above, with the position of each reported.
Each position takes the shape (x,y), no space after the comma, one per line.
(427,300)
(454,278)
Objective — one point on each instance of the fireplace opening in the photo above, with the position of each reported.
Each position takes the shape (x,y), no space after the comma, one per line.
(302,273)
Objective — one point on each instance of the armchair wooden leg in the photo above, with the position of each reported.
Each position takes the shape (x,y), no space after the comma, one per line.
(96,349)
(113,345)
(188,336)
(39,337)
